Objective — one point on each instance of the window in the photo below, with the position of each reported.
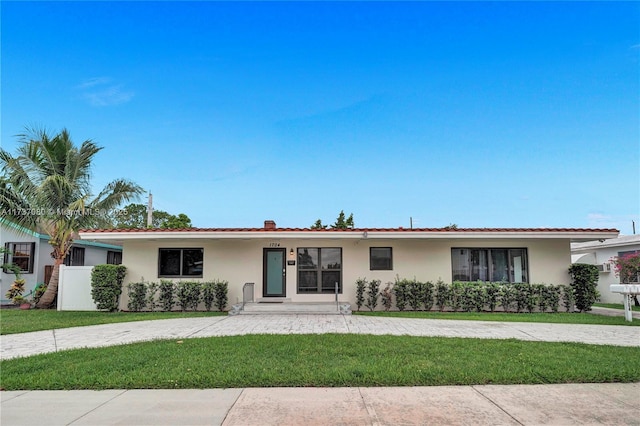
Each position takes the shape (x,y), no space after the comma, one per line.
(495,265)
(319,269)
(114,257)
(177,263)
(21,255)
(380,259)
(75,257)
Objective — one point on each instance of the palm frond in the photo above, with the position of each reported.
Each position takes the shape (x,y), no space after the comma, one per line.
(16,209)
(53,175)
(116,193)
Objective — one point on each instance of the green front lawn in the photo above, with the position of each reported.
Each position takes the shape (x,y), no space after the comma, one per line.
(18,321)
(560,317)
(321,360)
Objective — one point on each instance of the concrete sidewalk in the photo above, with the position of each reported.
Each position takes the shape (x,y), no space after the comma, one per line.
(580,404)
(25,344)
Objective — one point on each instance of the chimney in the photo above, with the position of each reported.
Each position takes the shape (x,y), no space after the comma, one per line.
(269,224)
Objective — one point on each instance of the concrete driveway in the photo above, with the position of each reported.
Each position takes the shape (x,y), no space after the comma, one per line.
(583,404)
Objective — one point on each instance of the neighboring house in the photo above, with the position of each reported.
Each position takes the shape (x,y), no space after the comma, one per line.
(303,265)
(32,253)
(600,253)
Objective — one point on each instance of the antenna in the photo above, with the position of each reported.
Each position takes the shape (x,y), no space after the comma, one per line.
(150,211)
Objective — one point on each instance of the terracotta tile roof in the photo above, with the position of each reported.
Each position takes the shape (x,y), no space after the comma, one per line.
(408,230)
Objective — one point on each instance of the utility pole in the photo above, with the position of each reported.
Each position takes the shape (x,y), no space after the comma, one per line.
(150,211)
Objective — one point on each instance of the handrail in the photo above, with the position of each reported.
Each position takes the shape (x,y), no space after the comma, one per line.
(247,293)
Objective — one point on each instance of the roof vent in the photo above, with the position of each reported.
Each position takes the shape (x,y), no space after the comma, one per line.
(269,224)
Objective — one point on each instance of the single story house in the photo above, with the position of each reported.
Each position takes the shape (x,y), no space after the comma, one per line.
(31,252)
(600,253)
(304,265)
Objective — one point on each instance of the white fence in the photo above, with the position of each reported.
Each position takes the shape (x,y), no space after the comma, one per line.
(74,289)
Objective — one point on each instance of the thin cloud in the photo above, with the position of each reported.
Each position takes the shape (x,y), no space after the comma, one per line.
(113,95)
(93,82)
(601,220)
(357,107)
(100,92)
(234,171)
(598,217)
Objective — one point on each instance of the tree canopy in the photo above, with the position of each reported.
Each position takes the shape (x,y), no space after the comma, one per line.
(342,222)
(318,225)
(46,187)
(134,216)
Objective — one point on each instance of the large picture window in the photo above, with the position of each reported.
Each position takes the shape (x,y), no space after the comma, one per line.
(494,265)
(319,269)
(21,255)
(380,259)
(176,263)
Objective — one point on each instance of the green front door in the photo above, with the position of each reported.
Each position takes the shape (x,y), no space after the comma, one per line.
(274,273)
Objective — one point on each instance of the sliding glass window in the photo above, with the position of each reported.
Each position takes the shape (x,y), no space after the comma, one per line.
(180,262)
(495,265)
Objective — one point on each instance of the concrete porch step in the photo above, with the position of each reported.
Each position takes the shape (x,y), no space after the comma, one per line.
(328,308)
(273,300)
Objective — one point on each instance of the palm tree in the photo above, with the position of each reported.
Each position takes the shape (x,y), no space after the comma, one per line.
(47,188)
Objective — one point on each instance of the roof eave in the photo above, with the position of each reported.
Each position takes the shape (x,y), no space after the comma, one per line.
(604,245)
(574,236)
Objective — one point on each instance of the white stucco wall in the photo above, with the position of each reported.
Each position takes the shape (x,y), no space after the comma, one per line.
(44,258)
(595,255)
(240,261)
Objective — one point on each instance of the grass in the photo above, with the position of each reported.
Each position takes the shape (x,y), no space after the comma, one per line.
(617,306)
(19,321)
(321,360)
(560,317)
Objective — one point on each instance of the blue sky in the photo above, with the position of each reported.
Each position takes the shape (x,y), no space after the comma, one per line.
(523,114)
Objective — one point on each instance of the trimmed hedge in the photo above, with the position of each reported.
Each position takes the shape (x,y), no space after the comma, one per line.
(471,296)
(361,286)
(106,285)
(584,280)
(137,296)
(221,290)
(166,299)
(187,295)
